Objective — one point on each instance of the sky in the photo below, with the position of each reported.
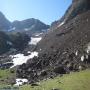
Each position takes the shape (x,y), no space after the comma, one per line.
(45,10)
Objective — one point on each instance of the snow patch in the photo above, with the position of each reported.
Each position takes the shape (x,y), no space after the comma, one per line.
(34,40)
(82,58)
(76,53)
(80,67)
(20,81)
(26,29)
(88,48)
(13,28)
(38,34)
(8,42)
(61,24)
(40,49)
(19,59)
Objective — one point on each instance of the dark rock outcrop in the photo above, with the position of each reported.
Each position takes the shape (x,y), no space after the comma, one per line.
(30,26)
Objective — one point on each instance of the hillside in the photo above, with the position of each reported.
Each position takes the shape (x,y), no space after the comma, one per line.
(62,50)
(47,57)
(67,82)
(30,26)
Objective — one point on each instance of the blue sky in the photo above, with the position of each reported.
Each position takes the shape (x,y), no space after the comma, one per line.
(44,10)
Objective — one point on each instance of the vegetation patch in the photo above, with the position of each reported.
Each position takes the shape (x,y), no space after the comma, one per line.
(7,76)
(74,81)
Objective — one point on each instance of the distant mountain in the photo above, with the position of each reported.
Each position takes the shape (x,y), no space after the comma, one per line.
(4,23)
(30,26)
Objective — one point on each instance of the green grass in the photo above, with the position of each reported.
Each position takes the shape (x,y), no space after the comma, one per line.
(5,76)
(73,81)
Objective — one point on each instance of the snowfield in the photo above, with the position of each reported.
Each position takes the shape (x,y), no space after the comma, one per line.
(34,40)
(19,59)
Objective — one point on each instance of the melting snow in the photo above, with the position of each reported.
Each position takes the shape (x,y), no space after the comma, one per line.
(28,52)
(19,59)
(34,40)
(88,48)
(8,42)
(82,58)
(20,81)
(13,28)
(76,53)
(61,24)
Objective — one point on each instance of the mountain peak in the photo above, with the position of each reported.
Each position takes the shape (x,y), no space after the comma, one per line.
(4,23)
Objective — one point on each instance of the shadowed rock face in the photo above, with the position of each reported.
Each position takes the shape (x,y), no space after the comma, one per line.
(63,48)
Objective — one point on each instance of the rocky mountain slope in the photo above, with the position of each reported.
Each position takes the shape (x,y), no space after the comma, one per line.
(77,7)
(4,23)
(64,49)
(30,26)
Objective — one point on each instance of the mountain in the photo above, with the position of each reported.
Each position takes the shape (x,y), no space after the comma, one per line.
(30,26)
(64,49)
(4,23)
(77,7)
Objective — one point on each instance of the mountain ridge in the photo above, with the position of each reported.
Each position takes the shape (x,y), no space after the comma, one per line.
(20,26)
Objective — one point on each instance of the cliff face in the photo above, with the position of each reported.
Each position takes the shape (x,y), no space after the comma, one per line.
(77,7)
(65,49)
